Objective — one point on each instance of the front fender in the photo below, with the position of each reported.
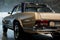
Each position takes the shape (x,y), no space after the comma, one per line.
(8,22)
(19,21)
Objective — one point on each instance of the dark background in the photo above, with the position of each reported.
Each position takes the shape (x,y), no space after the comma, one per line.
(7,5)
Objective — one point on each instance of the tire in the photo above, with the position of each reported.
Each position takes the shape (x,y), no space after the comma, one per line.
(5,30)
(18,31)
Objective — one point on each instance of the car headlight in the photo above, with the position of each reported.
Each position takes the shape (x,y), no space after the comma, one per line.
(5,21)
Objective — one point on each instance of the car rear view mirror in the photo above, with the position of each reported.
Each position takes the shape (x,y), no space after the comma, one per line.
(9,13)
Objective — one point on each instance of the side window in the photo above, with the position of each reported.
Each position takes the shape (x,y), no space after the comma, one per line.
(44,9)
(48,9)
(30,9)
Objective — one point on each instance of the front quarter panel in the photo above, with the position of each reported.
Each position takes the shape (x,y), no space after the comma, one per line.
(8,21)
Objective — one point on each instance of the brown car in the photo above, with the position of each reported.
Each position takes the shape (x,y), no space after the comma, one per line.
(32,18)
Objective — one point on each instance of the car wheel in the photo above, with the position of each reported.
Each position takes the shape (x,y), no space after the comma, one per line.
(17,31)
(4,30)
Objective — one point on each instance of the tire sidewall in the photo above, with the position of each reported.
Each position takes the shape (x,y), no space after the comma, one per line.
(19,28)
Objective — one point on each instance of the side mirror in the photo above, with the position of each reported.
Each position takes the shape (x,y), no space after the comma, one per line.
(9,13)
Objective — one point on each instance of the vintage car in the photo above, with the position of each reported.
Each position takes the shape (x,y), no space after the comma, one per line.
(34,18)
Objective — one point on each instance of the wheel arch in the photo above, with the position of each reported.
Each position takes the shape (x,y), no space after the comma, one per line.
(18,22)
